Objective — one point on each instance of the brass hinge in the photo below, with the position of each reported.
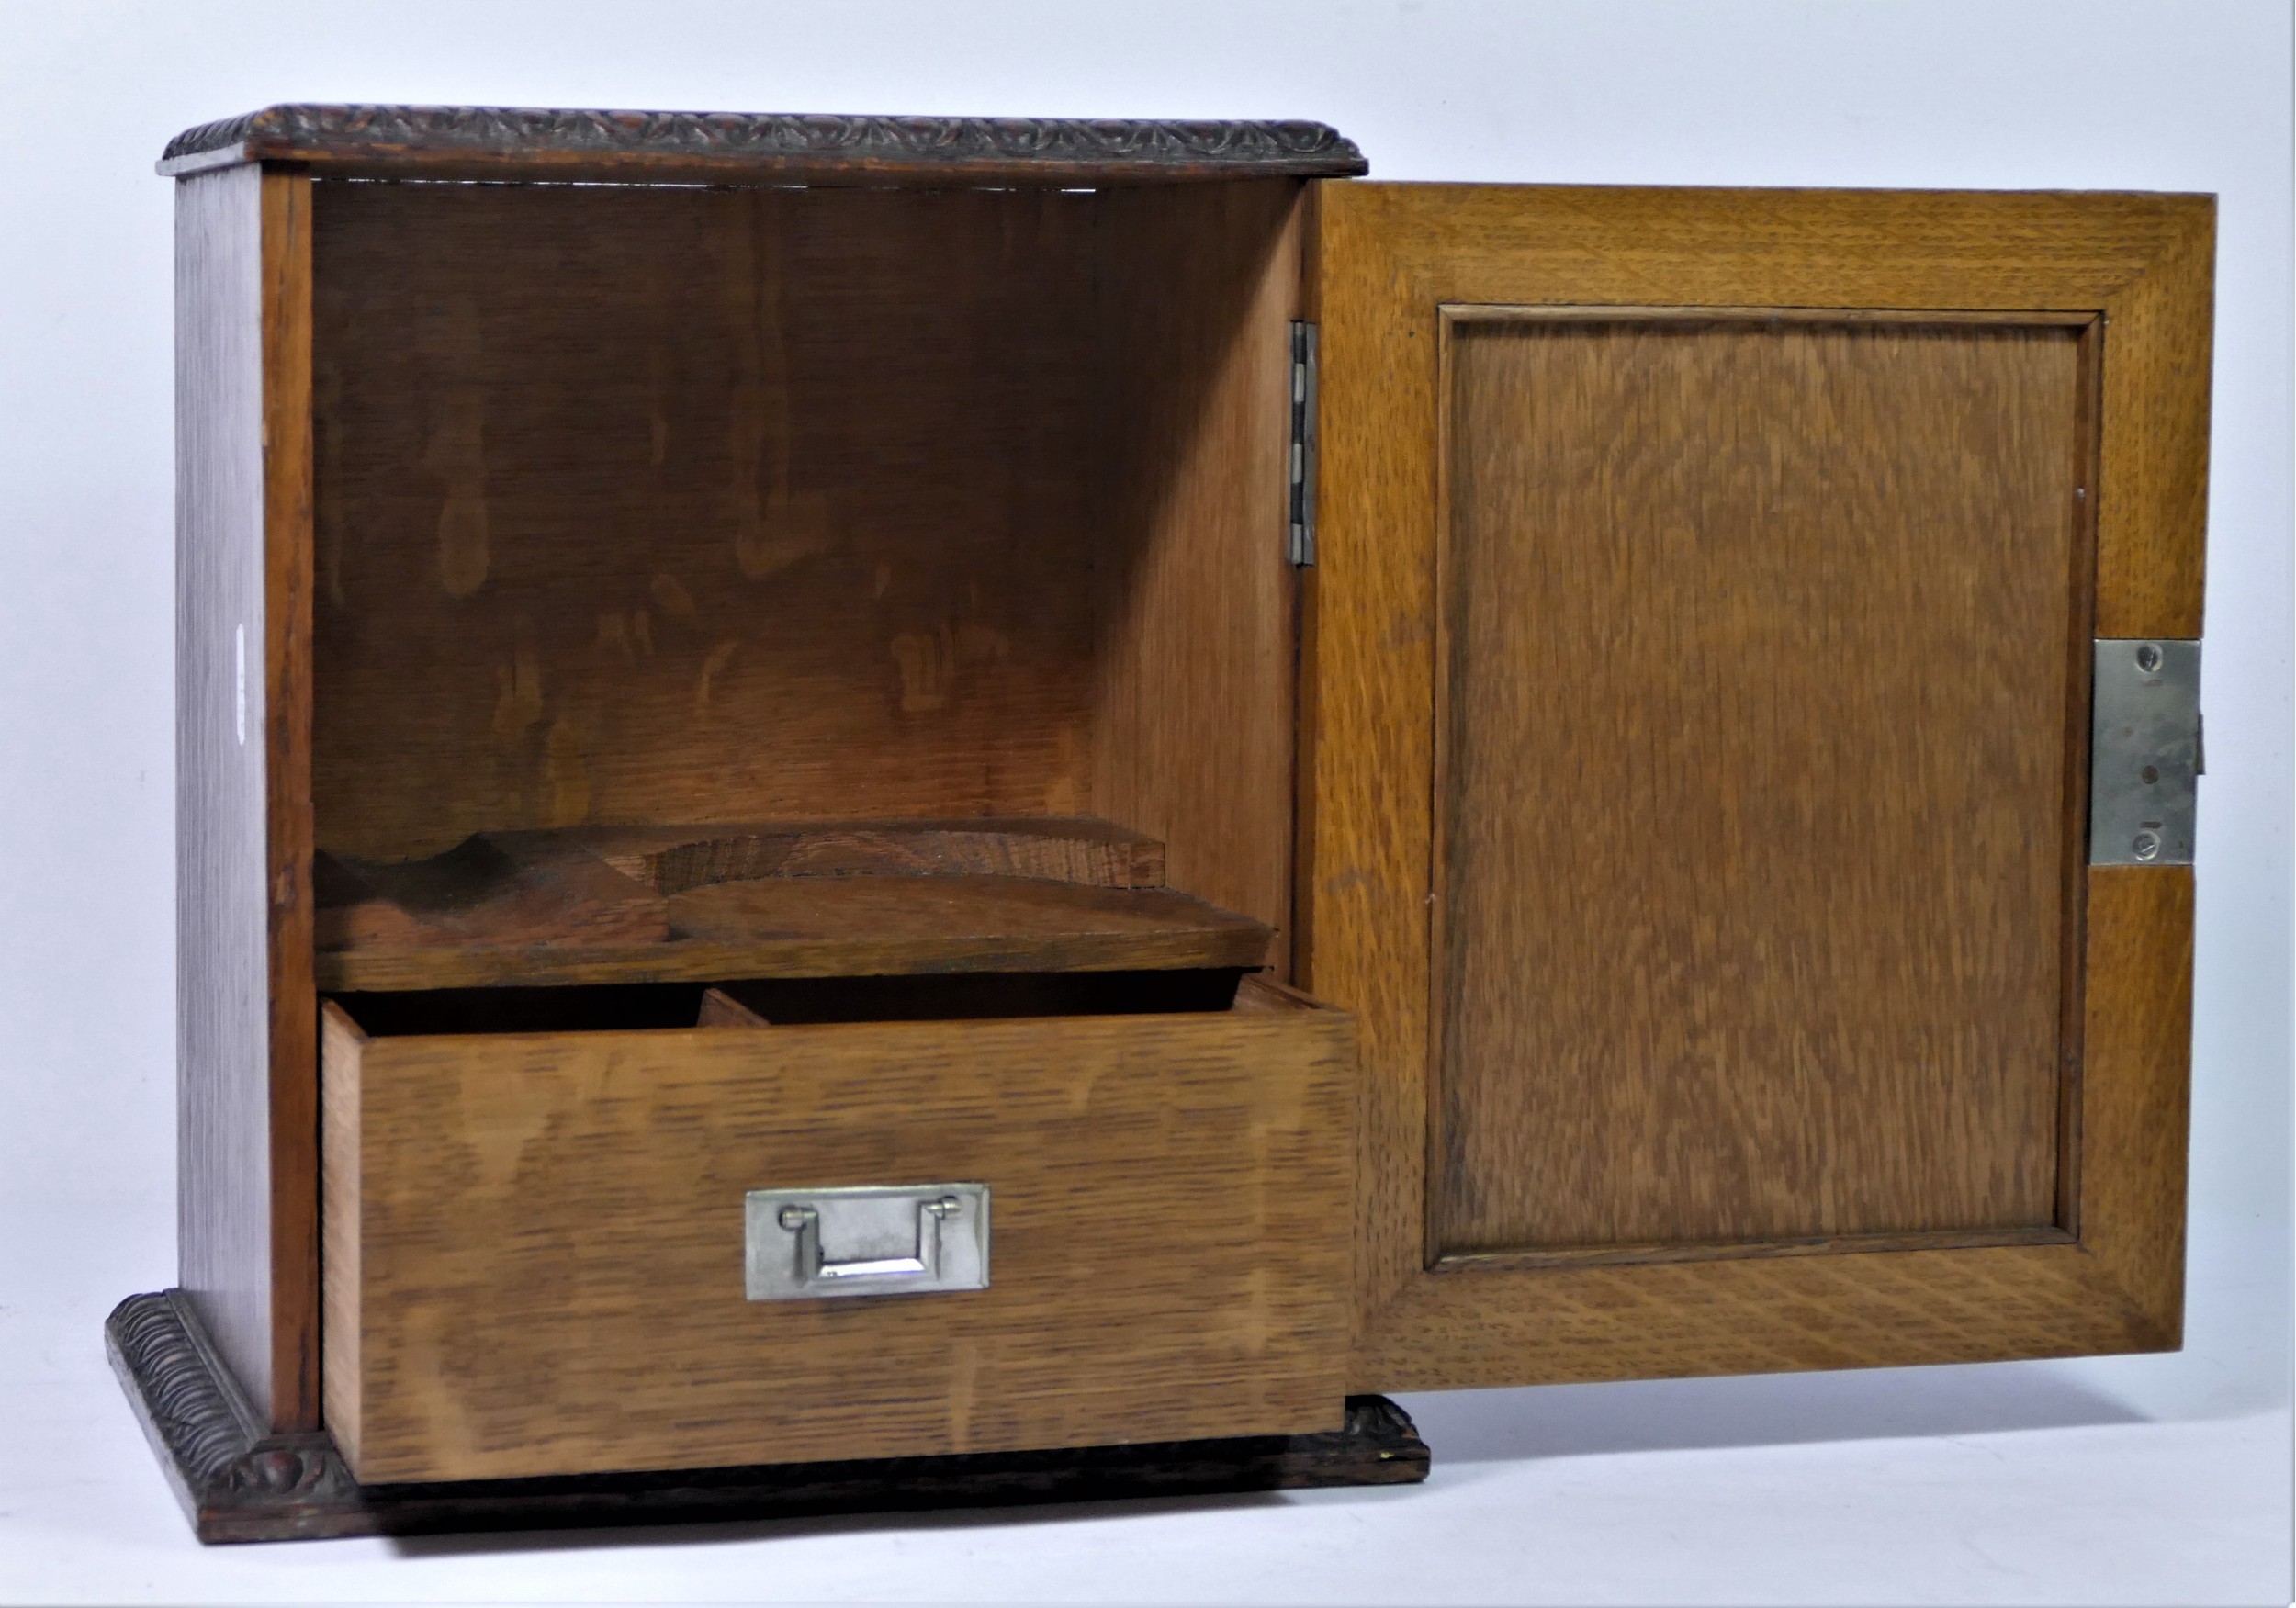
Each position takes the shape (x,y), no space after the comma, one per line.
(2143,751)
(1302,544)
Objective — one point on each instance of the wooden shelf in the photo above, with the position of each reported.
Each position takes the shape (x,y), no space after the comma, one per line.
(834,899)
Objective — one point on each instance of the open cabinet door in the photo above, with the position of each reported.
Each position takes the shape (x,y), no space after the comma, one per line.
(1696,799)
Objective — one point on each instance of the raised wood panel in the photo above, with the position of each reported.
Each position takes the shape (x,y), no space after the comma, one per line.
(550,1281)
(1752,789)
(248,1081)
(1390,258)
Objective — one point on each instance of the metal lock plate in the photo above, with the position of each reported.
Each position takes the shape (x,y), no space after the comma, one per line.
(877,1240)
(2144,751)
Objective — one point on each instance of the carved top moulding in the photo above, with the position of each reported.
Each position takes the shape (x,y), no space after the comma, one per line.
(523,143)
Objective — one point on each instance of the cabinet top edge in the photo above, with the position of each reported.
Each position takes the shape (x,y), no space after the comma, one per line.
(535,143)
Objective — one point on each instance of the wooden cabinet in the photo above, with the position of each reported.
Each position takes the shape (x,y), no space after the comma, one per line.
(1428,786)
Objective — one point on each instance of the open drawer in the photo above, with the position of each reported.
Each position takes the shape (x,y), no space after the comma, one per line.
(534,1239)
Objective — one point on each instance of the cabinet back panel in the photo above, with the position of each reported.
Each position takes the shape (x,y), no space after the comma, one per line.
(693,505)
(1755,881)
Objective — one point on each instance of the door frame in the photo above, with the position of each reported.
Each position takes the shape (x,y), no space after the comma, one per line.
(1387,260)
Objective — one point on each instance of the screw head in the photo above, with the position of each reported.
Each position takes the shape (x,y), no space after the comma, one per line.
(2148,658)
(2145,847)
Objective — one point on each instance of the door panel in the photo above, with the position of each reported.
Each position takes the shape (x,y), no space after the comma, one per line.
(1697,574)
(1697,787)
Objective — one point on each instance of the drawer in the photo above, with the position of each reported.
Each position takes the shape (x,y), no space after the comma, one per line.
(534,1240)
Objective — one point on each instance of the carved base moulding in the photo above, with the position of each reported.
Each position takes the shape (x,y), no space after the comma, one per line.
(239,1483)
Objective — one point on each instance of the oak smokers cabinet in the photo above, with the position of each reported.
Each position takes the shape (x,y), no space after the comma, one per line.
(901,811)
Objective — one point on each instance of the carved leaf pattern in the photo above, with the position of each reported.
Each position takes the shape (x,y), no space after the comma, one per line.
(241,1484)
(925,143)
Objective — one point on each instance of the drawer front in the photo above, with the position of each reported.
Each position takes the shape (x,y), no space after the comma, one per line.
(535,1243)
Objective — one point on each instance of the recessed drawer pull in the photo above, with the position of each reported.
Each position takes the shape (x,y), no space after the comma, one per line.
(806,1223)
(901,1240)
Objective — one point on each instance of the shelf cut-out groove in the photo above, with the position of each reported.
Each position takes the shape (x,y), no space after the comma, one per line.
(782,899)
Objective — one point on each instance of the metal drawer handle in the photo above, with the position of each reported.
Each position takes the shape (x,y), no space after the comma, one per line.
(814,1265)
(865,1240)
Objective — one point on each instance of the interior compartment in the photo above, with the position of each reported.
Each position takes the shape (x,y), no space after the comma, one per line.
(788,1002)
(810,899)
(781,583)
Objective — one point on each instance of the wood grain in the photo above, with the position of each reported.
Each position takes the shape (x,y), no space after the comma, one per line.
(1391,257)
(1196,629)
(551,1281)
(616,886)
(342,1184)
(529,908)
(2152,510)
(1751,779)
(246,1049)
(687,505)
(540,890)
(2135,1094)
(893,923)
(720,1009)
(1064,849)
(950,996)
(288,513)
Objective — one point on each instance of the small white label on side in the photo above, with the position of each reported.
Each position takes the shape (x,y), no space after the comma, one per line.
(239,658)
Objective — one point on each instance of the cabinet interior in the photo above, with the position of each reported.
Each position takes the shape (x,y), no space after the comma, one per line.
(784,583)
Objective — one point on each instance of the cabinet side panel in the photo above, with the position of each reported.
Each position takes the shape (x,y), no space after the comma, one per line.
(1194,594)
(222,1031)
(286,738)
(247,1050)
(1752,904)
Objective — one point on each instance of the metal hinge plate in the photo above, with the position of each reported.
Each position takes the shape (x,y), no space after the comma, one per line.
(2143,751)
(1302,544)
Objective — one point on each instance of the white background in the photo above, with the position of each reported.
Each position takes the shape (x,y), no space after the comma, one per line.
(2150,1480)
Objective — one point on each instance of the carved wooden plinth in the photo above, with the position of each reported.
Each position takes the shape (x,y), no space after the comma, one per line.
(239,1482)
